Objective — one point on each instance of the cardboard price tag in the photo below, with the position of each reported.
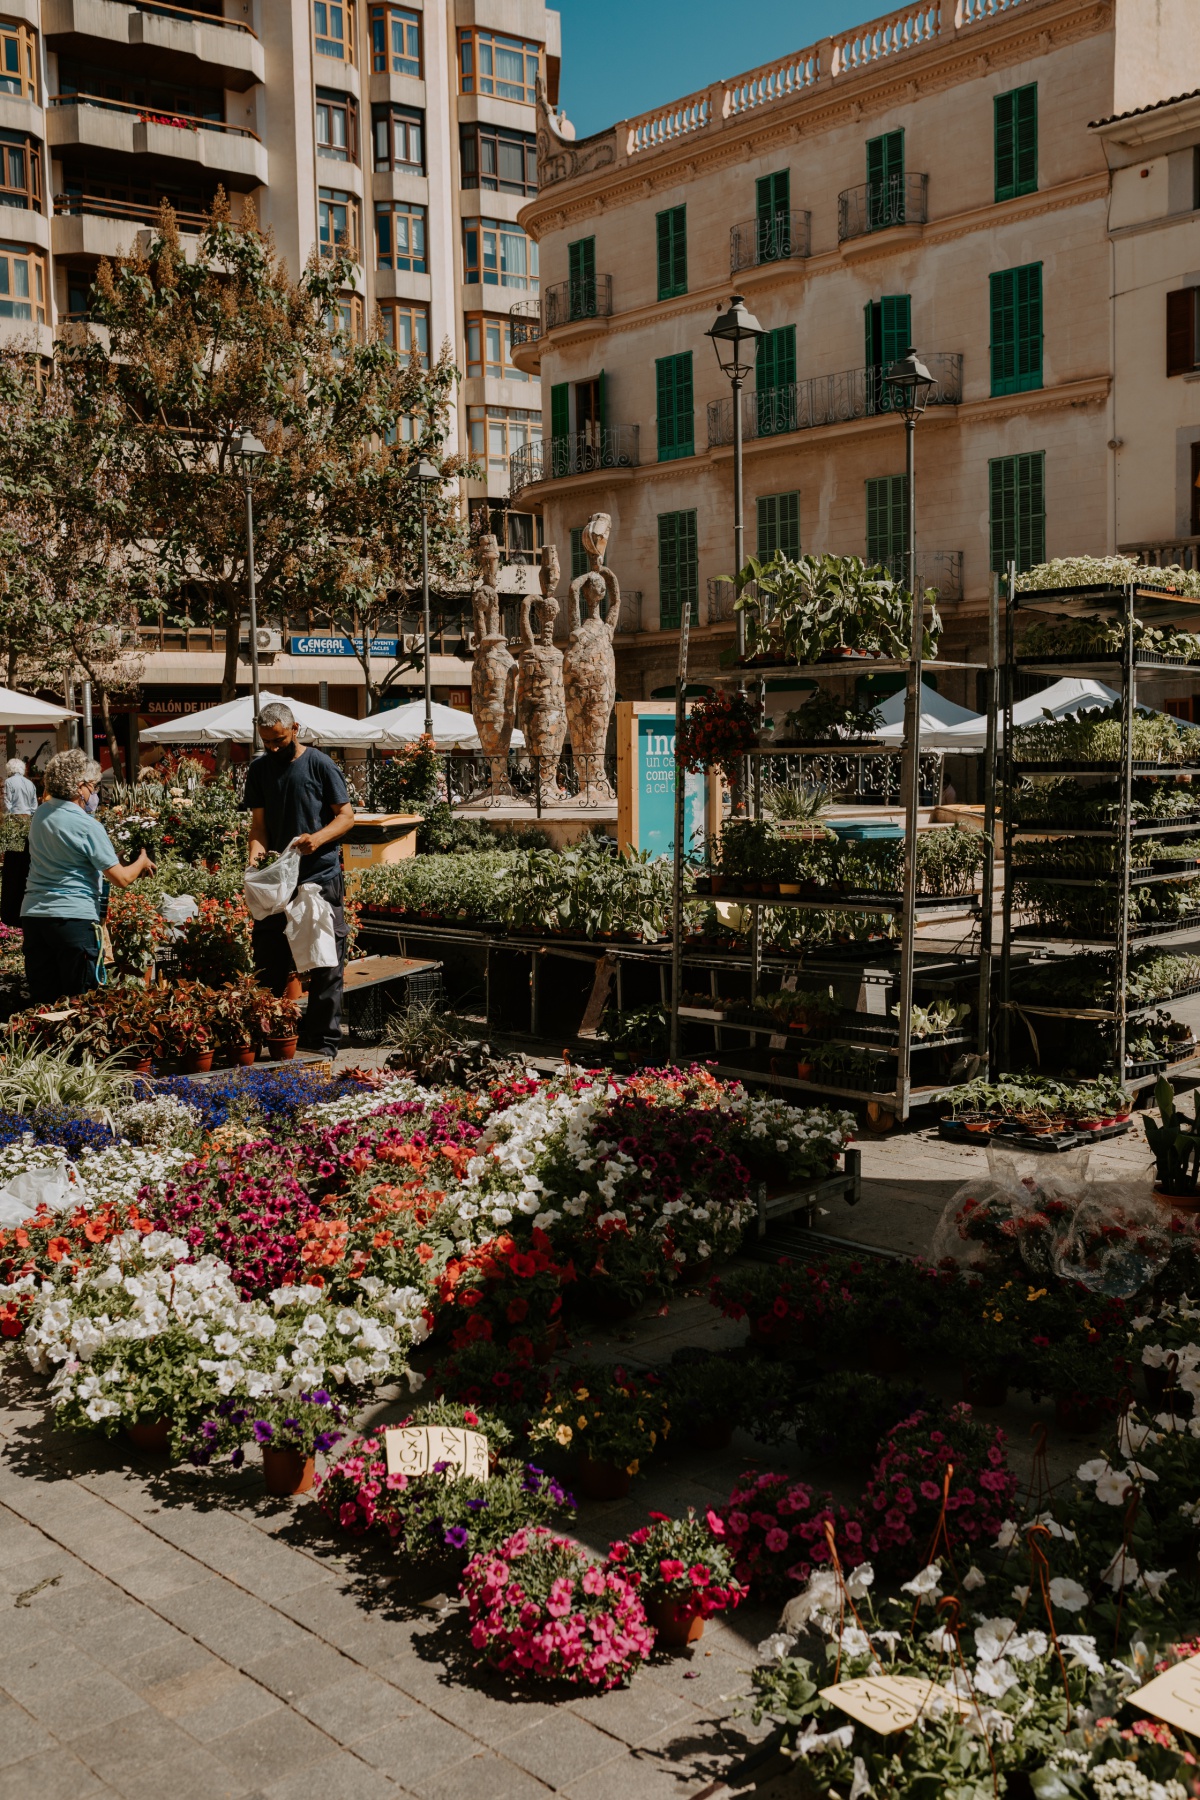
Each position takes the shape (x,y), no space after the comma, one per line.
(886,1703)
(779,1040)
(1174,1697)
(414,1449)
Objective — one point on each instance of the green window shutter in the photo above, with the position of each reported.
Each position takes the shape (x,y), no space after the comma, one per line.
(896,327)
(602,399)
(673,379)
(773,193)
(778,525)
(579,561)
(581,270)
(885,180)
(1017,510)
(1016,134)
(678,567)
(672,252)
(775,381)
(560,409)
(1016,313)
(887,521)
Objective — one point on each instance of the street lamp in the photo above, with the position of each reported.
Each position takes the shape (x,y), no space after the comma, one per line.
(249,450)
(429,478)
(735,336)
(912,384)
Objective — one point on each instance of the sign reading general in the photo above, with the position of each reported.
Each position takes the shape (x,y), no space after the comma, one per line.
(341,646)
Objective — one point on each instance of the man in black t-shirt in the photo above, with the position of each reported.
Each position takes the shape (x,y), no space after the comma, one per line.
(295,794)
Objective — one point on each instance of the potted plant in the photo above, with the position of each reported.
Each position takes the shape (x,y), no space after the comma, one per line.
(610,1419)
(290,1430)
(705,1395)
(682,1572)
(1175,1142)
(278,1022)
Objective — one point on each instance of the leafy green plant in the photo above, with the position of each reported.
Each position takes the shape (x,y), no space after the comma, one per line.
(846,1066)
(803,804)
(801,610)
(936,1019)
(1093,735)
(826,718)
(33,1078)
(646,1032)
(1106,571)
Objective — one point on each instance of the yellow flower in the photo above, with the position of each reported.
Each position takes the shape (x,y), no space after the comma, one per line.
(653,1439)
(997,1316)
(581,1394)
(582,1421)
(632,1468)
(563,1435)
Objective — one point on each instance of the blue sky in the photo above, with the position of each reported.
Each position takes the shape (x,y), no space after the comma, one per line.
(621,57)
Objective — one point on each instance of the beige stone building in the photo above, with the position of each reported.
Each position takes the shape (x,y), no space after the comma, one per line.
(928,178)
(407,127)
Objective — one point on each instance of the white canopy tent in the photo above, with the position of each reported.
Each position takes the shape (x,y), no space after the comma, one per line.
(452,730)
(233,723)
(25,713)
(940,719)
(954,730)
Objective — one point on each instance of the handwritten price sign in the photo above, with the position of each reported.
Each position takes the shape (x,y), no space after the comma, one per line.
(886,1703)
(1175,1696)
(416,1449)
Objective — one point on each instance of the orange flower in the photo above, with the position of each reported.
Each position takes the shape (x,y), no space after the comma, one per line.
(425,1252)
(95,1231)
(57,1248)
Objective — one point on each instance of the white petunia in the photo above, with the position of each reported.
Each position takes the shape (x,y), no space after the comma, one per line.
(1068,1594)
(974,1578)
(927,1582)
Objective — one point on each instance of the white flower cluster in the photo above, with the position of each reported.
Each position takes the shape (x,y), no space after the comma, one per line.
(1119,1780)
(786,1125)
(162,1123)
(350,1107)
(113,1175)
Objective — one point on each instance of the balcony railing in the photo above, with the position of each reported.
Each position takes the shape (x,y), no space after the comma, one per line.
(152,116)
(584,297)
(940,569)
(721,595)
(525,322)
(580,453)
(900,200)
(780,237)
(1165,553)
(828,400)
(192,12)
(73,205)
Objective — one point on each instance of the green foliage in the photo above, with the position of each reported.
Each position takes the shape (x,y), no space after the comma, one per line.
(1066,802)
(802,610)
(33,1077)
(408,780)
(1106,571)
(825,717)
(1104,637)
(646,1032)
(1093,735)
(1175,1142)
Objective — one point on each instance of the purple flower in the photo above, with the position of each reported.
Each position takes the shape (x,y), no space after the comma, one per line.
(263,1432)
(476,1505)
(319,1397)
(238,1458)
(457,1537)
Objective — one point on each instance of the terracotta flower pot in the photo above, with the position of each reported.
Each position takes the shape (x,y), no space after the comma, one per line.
(717,884)
(294,988)
(282,1049)
(286,1471)
(197,1062)
(676,1623)
(141,1065)
(983,1390)
(601,1480)
(243,1058)
(1178,1202)
(150,1434)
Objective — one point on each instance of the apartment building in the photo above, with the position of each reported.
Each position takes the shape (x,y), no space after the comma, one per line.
(408,130)
(929,179)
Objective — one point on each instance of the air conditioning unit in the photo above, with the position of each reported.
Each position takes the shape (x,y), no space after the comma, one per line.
(266,642)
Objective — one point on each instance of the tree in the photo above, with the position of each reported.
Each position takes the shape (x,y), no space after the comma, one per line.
(193,350)
(71,595)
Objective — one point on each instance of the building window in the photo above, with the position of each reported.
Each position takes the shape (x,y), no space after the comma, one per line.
(775,381)
(346,316)
(519,534)
(778,525)
(22,283)
(489,349)
(1017,329)
(401,237)
(395,41)
(333,29)
(499,255)
(1183,331)
(20,171)
(579,556)
(678,568)
(496,432)
(504,66)
(79,293)
(18,60)
(672,252)
(887,520)
(169,98)
(399,138)
(503,161)
(337,126)
(339,222)
(1016,142)
(406,328)
(773,201)
(675,408)
(1017,510)
(885,181)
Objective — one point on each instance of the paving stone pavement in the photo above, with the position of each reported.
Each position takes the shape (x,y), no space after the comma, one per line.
(177,1635)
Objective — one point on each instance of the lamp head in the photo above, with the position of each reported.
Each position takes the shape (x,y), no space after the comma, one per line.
(250,448)
(913,383)
(427,472)
(735,334)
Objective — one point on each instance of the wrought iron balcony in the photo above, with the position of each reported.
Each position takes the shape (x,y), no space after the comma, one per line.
(780,237)
(525,322)
(721,596)
(583,297)
(828,400)
(940,569)
(580,453)
(900,200)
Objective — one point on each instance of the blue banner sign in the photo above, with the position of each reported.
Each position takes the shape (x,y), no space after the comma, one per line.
(654,784)
(341,646)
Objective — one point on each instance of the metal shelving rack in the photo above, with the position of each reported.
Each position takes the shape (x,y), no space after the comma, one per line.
(1120,669)
(907,906)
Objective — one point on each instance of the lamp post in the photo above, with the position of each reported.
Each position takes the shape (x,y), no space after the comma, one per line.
(735,336)
(249,450)
(911,382)
(429,478)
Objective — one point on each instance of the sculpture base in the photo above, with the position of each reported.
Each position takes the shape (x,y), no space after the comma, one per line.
(563,824)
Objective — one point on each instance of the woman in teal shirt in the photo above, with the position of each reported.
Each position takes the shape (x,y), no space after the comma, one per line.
(69,853)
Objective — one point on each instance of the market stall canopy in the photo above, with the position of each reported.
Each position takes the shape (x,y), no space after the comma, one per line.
(941,720)
(233,723)
(452,730)
(26,713)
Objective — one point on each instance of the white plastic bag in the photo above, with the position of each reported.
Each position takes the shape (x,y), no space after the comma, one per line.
(268,890)
(176,910)
(24,1193)
(309,930)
